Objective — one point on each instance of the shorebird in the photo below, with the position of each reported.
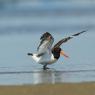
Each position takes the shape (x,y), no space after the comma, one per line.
(46,53)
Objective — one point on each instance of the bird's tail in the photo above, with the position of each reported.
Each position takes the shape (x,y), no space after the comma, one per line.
(29,54)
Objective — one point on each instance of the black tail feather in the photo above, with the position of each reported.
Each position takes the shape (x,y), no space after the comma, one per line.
(30,54)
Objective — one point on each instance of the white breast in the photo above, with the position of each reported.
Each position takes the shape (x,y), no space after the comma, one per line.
(44,59)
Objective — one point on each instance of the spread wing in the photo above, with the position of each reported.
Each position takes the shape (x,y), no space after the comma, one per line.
(45,43)
(66,39)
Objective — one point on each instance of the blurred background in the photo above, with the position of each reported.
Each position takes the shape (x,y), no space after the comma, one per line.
(28,16)
(22,22)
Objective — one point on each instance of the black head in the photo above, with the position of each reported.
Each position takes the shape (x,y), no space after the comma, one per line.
(56,52)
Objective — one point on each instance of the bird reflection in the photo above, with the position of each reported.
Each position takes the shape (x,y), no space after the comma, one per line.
(46,76)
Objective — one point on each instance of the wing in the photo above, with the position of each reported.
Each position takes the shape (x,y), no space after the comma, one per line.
(45,43)
(66,39)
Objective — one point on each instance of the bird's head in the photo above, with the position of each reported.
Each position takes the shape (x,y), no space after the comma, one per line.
(57,52)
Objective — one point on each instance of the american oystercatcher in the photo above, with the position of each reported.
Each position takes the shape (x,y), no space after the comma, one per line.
(48,54)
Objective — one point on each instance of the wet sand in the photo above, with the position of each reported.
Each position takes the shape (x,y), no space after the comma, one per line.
(50,89)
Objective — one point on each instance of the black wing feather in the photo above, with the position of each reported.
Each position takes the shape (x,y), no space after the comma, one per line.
(66,39)
(43,38)
(62,41)
(78,33)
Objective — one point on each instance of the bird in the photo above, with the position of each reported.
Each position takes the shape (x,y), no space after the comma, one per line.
(47,53)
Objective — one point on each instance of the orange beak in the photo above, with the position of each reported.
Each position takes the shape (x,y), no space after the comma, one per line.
(62,53)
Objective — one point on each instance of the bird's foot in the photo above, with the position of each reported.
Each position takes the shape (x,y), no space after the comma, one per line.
(45,68)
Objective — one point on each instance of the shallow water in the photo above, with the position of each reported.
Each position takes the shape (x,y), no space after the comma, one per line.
(40,76)
(20,29)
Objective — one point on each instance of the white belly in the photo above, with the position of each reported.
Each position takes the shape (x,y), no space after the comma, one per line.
(46,59)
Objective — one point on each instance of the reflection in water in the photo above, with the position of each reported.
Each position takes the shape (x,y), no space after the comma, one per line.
(46,76)
(54,76)
(40,76)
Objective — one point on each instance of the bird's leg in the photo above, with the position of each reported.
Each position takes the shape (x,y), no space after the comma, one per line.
(45,67)
(30,54)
